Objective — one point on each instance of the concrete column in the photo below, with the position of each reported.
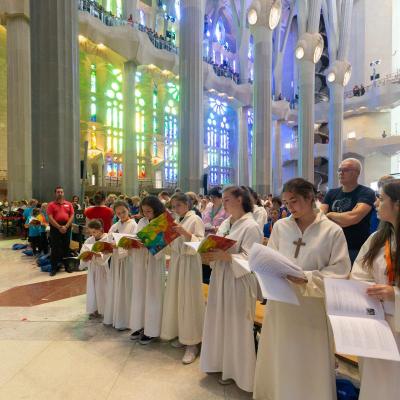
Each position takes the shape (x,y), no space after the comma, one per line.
(191,105)
(129,7)
(243,147)
(55,105)
(277,159)
(130,184)
(19,143)
(262,101)
(306,119)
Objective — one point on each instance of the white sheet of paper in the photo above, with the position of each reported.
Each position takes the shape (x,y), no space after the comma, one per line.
(193,245)
(266,260)
(364,337)
(272,287)
(349,298)
(277,288)
(117,236)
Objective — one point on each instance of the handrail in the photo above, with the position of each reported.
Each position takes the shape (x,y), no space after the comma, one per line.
(97,11)
(394,77)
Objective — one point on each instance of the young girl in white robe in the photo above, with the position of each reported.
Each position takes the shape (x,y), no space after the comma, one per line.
(295,358)
(378,262)
(228,339)
(119,287)
(184,303)
(97,267)
(259,212)
(148,281)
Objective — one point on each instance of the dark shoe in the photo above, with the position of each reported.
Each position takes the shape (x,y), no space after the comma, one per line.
(52,273)
(136,335)
(146,339)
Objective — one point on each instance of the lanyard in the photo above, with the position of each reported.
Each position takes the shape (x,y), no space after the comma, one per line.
(389,263)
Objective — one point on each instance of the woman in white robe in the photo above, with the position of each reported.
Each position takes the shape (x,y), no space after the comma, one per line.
(148,281)
(97,267)
(119,287)
(184,303)
(259,212)
(295,357)
(380,379)
(228,339)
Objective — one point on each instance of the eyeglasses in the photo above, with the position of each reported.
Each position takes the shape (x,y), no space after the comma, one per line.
(344,170)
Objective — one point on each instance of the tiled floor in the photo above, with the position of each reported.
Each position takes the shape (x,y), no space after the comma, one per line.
(49,349)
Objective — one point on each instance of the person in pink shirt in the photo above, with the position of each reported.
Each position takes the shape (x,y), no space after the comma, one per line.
(213,216)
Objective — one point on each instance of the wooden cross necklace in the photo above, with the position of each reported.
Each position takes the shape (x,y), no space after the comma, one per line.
(298,245)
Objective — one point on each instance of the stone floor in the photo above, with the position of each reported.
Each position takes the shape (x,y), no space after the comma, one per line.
(50,350)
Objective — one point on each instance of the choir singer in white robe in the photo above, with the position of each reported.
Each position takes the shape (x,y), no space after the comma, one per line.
(148,281)
(184,303)
(119,285)
(228,340)
(295,359)
(379,262)
(97,267)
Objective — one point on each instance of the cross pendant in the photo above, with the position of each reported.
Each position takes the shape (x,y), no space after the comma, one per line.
(298,244)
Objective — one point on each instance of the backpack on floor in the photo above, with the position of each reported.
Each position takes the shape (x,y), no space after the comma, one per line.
(28,253)
(45,267)
(19,246)
(43,260)
(346,390)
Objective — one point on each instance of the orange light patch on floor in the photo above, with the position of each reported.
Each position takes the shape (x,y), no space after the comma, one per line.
(44,292)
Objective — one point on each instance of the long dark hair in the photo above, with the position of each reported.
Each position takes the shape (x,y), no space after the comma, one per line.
(247,201)
(384,233)
(154,203)
(301,187)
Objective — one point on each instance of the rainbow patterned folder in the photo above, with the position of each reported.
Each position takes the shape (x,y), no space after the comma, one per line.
(102,247)
(212,242)
(86,255)
(129,243)
(159,233)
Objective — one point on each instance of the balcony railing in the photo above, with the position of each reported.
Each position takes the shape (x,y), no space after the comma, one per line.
(109,19)
(386,80)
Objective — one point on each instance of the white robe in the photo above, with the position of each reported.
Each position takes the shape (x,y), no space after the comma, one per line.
(295,358)
(119,287)
(184,303)
(261,216)
(148,285)
(228,338)
(96,283)
(380,379)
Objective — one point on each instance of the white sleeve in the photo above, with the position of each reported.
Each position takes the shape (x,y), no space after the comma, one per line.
(359,272)
(339,267)
(273,241)
(251,235)
(197,230)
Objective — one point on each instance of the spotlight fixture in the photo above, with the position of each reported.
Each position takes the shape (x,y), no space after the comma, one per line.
(309,47)
(339,72)
(267,13)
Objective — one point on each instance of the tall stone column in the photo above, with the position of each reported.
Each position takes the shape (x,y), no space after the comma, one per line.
(129,7)
(191,141)
(130,184)
(55,104)
(277,159)
(19,143)
(306,119)
(243,147)
(262,101)
(309,18)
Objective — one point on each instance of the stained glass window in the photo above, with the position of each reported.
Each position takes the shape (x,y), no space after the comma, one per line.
(140,106)
(171,133)
(93,90)
(114,121)
(218,143)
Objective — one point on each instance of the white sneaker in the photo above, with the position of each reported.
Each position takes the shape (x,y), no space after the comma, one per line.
(191,354)
(177,344)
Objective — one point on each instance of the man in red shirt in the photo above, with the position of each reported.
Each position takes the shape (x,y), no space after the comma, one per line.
(61,215)
(100,211)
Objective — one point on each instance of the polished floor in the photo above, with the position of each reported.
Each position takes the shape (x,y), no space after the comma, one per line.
(50,350)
